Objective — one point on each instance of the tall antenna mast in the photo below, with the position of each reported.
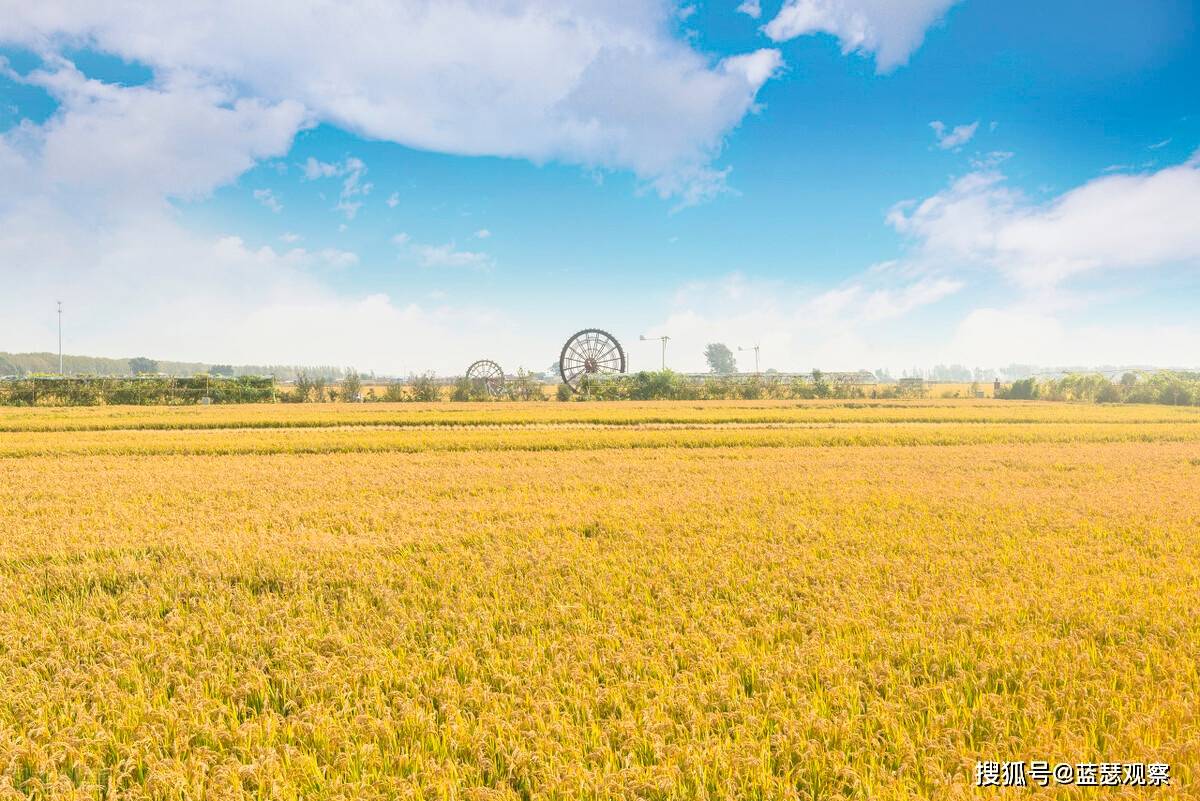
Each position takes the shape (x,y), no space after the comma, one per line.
(60,359)
(755,349)
(664,339)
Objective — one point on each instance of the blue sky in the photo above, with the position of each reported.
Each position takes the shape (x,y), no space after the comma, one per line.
(852,183)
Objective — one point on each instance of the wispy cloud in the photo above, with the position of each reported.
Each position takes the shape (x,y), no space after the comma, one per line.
(338,259)
(354,188)
(954,138)
(447,255)
(268,199)
(314,169)
(751,8)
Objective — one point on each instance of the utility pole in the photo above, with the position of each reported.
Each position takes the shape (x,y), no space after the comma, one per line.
(60,359)
(664,339)
(755,349)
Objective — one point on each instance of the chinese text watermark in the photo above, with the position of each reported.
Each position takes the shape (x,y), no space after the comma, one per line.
(1079,774)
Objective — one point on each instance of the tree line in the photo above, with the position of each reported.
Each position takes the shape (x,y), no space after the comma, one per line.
(142,391)
(1171,387)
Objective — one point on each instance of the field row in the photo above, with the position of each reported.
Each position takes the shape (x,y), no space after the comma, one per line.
(546,437)
(623,413)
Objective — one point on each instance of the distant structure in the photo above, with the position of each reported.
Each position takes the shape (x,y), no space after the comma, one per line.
(664,339)
(487,376)
(590,353)
(60,358)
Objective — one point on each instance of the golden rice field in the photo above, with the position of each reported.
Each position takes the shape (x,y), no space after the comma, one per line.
(725,600)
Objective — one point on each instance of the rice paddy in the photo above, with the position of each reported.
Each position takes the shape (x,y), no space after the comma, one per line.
(725,600)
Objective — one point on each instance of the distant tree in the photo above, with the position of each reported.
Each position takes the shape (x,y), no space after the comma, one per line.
(351,385)
(1109,393)
(1128,380)
(525,387)
(304,387)
(464,389)
(821,388)
(141,364)
(1024,389)
(720,358)
(423,389)
(222,369)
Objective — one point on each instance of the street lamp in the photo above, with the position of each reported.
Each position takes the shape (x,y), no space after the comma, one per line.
(664,339)
(755,349)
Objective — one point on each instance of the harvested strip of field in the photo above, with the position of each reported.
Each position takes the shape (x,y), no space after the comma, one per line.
(624,413)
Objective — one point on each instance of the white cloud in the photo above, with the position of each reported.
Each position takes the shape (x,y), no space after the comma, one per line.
(446,255)
(1026,334)
(100,234)
(597,84)
(482,233)
(751,8)
(755,67)
(954,139)
(268,199)
(179,138)
(393,200)
(890,29)
(857,324)
(1117,221)
(290,237)
(314,169)
(337,259)
(194,297)
(960,241)
(353,188)
(449,256)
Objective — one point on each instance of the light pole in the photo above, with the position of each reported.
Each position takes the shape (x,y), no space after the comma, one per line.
(60,360)
(755,349)
(664,339)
